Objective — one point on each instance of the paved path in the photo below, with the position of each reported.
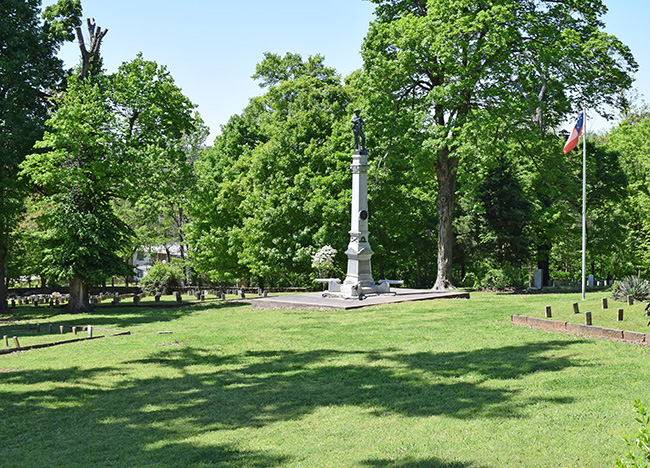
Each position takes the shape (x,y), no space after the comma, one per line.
(317,301)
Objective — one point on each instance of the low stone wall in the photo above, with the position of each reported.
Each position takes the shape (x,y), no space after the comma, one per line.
(581,330)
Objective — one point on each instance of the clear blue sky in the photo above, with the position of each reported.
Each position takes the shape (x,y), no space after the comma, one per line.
(211,47)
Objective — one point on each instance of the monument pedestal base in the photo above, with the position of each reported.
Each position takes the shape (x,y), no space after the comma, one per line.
(357,290)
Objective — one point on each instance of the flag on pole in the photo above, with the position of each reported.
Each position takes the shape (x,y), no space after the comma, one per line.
(575,134)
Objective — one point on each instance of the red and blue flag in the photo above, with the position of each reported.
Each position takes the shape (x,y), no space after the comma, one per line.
(575,134)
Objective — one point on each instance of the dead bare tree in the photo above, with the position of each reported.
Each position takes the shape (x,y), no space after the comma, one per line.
(90,55)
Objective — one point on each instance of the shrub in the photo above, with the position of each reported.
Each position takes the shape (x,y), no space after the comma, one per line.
(495,279)
(323,260)
(471,281)
(639,453)
(502,278)
(631,286)
(162,277)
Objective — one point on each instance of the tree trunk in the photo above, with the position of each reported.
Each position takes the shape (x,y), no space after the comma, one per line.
(3,282)
(90,56)
(445,170)
(79,297)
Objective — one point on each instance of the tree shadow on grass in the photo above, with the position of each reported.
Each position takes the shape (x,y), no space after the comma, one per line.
(190,392)
(71,419)
(415,463)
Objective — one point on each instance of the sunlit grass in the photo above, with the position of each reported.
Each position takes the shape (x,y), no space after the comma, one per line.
(444,384)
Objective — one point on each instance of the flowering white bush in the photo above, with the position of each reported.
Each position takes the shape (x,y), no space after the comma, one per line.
(323,260)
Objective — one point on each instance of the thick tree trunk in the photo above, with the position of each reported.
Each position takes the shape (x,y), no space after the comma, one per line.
(79,297)
(3,283)
(445,169)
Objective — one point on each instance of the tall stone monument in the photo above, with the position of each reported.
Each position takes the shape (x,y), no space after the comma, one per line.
(358,282)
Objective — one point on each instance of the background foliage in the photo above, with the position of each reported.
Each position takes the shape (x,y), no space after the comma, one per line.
(123,165)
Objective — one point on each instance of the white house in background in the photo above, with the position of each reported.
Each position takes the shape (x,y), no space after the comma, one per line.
(144,258)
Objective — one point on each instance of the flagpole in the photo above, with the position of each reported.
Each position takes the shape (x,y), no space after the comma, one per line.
(584,198)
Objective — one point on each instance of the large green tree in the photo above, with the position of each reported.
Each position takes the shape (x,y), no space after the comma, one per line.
(630,139)
(439,71)
(147,98)
(102,136)
(77,173)
(29,70)
(275,186)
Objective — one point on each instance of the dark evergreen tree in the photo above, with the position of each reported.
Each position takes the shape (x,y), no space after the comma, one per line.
(29,71)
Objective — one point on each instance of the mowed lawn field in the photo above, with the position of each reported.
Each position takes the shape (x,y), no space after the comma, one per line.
(448,384)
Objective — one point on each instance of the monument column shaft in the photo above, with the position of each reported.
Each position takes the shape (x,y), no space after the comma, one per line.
(359,251)
(359,195)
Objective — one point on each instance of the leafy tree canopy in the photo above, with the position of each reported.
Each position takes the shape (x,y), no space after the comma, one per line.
(441,71)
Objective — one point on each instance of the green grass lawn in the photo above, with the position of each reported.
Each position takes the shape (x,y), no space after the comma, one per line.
(447,384)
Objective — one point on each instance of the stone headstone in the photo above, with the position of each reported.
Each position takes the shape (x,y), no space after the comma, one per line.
(136,299)
(590,281)
(157,297)
(537,278)
(178,296)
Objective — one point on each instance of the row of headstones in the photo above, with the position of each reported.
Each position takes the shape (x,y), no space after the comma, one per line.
(591,282)
(50,327)
(36,300)
(576,284)
(116,297)
(603,304)
(201,295)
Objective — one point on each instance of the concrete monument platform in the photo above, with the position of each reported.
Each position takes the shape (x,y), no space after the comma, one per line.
(317,301)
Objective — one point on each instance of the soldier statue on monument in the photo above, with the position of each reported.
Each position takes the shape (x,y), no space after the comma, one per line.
(357,129)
